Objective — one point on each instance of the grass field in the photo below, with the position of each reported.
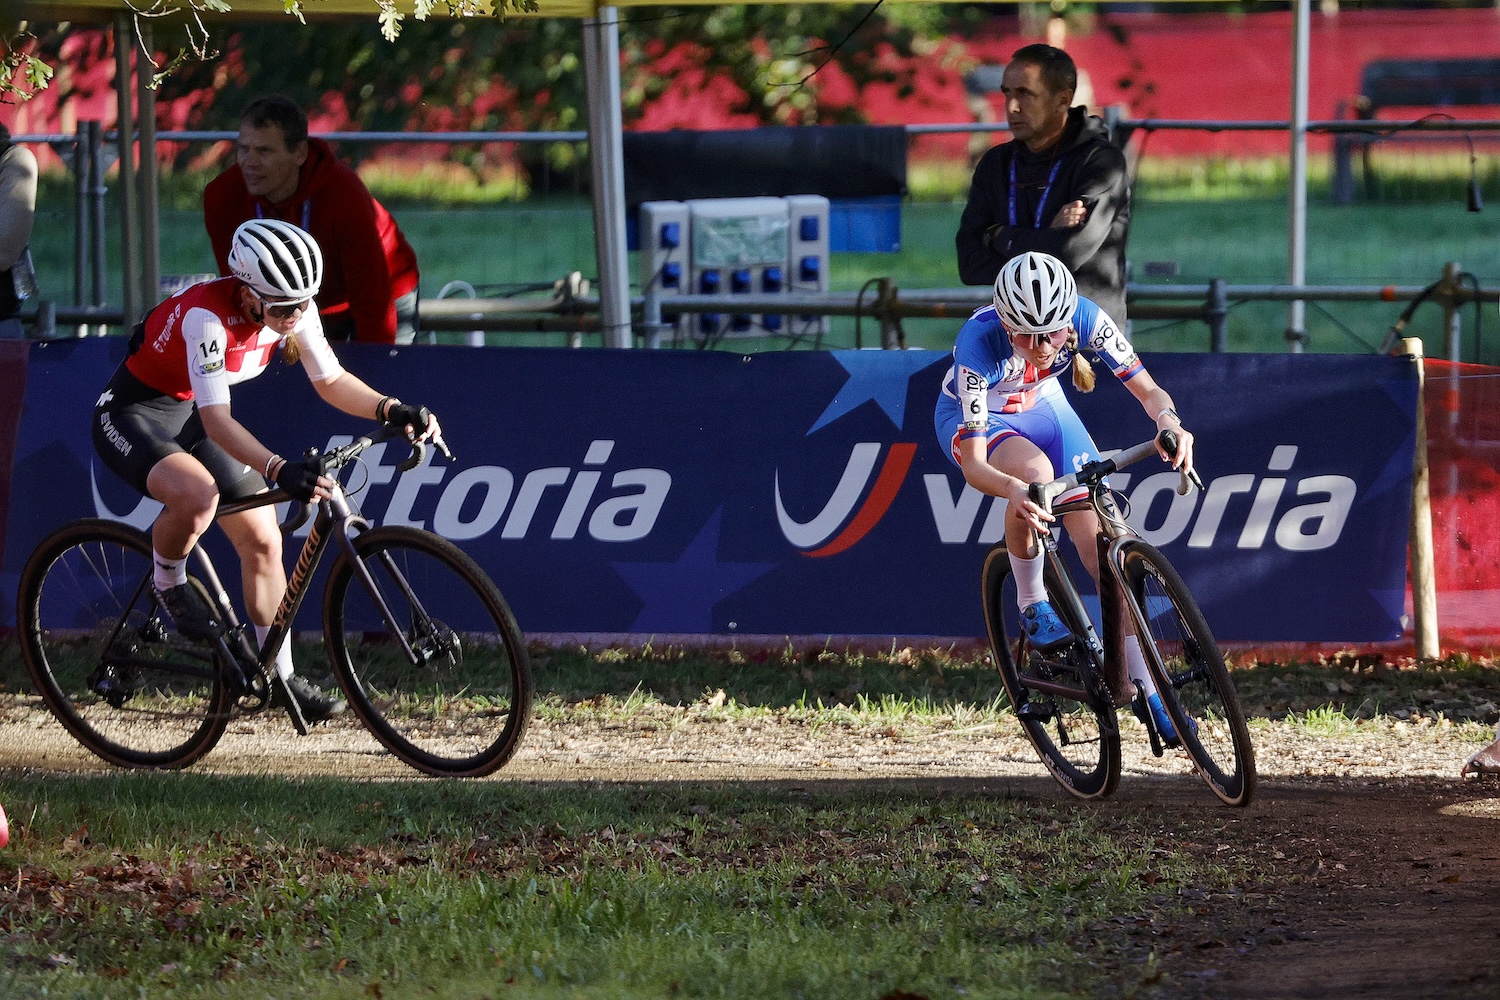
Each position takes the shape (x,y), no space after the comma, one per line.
(1202,234)
(197,885)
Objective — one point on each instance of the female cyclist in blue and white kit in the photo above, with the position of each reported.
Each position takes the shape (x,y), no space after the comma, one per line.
(1005,422)
(163,424)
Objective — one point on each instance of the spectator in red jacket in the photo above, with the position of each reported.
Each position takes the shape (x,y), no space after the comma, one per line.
(370,277)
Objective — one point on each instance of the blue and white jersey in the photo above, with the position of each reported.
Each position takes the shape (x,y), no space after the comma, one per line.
(989,376)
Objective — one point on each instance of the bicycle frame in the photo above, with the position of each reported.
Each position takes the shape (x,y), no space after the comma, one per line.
(1114,536)
(337,517)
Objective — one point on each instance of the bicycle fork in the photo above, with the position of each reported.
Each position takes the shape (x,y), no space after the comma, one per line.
(1113,556)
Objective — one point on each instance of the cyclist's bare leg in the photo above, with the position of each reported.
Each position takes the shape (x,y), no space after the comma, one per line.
(189,498)
(257,538)
(1016,456)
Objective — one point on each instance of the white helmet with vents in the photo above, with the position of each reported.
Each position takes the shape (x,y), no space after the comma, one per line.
(279,262)
(1035,293)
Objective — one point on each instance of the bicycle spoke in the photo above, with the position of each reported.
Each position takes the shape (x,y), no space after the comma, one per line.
(1191,677)
(429,656)
(103,660)
(1079,743)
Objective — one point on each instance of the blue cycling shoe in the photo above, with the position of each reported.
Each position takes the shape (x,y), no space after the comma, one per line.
(1164,722)
(1045,630)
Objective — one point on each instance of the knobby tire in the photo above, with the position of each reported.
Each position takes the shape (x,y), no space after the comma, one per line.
(1080,743)
(103,658)
(449,689)
(1194,682)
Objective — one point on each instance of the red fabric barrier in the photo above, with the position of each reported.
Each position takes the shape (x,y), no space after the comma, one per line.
(1463,453)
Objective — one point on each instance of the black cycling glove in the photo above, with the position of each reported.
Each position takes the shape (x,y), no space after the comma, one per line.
(406,415)
(300,479)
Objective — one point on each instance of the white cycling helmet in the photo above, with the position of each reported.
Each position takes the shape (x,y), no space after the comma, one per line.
(1035,293)
(279,262)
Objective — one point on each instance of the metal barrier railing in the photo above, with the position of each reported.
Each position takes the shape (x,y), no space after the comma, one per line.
(568,312)
(89,155)
(890,305)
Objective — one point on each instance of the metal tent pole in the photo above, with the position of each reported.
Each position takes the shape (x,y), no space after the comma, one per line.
(150,211)
(82,164)
(97,191)
(1296,335)
(601,67)
(125,144)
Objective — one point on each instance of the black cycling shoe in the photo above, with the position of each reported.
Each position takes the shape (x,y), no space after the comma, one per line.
(107,683)
(191,615)
(316,704)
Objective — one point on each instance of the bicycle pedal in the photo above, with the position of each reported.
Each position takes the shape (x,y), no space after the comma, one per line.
(1142,712)
(288,701)
(1034,712)
(153,630)
(107,685)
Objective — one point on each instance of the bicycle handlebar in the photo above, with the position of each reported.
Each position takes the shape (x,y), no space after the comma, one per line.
(340,457)
(1093,472)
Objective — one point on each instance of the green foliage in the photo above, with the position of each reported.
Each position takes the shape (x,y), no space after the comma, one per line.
(1345,692)
(489,73)
(23,73)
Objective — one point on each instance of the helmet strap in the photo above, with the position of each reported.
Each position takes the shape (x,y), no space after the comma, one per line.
(251,305)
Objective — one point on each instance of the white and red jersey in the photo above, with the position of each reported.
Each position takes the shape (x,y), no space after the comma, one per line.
(198,343)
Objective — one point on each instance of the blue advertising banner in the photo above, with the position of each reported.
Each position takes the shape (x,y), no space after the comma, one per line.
(800,493)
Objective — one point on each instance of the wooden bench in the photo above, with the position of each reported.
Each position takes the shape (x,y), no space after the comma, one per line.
(1419,84)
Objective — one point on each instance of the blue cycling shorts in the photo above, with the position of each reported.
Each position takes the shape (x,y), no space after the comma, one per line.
(1050,424)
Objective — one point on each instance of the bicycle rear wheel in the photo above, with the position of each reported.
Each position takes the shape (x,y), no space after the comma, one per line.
(440,673)
(1195,685)
(1060,696)
(102,656)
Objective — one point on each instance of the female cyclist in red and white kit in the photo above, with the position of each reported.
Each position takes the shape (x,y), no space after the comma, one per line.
(1004,420)
(164,423)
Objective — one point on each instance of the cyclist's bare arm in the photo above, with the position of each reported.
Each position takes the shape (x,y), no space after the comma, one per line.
(349,393)
(1157,403)
(231,435)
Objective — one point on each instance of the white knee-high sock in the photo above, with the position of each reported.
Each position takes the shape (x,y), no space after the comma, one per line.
(283,655)
(1029,585)
(1135,664)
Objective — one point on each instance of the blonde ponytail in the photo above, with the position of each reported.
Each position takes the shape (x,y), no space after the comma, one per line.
(1083,369)
(292,351)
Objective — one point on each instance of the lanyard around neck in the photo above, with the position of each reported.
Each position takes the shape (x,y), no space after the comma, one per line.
(307,211)
(1042,202)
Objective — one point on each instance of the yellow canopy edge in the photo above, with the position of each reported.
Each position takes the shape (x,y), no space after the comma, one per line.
(99,9)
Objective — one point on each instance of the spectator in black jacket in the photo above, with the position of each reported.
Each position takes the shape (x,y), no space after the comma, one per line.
(1059,187)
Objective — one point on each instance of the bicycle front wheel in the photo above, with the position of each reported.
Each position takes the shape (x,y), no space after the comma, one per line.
(1059,696)
(103,657)
(1195,685)
(428,652)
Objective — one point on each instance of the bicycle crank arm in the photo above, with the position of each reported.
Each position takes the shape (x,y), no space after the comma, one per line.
(293,710)
(1033,683)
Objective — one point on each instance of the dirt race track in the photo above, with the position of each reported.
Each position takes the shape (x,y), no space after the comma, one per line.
(1390,863)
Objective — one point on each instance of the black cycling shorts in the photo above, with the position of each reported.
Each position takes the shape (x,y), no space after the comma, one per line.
(136,426)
